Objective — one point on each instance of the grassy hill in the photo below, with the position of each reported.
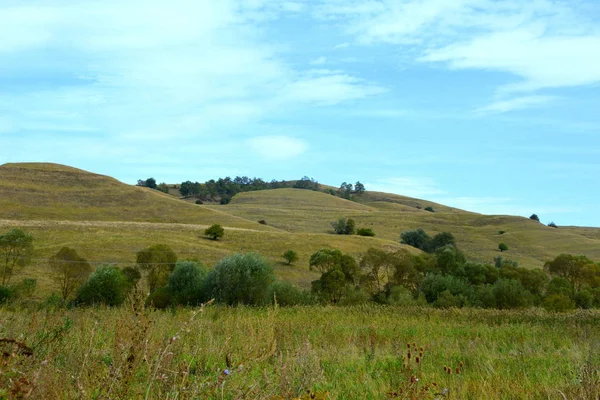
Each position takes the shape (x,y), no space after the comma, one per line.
(108,221)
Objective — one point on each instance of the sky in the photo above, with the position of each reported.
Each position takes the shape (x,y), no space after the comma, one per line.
(487,105)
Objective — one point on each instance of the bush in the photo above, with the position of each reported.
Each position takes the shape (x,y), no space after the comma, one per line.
(262,222)
(199,201)
(534,217)
(416,238)
(5,294)
(558,303)
(290,256)
(186,282)
(552,225)
(502,247)
(215,231)
(584,299)
(161,298)
(501,232)
(433,285)
(510,293)
(400,296)
(106,285)
(240,279)
(365,232)
(344,226)
(430,209)
(286,294)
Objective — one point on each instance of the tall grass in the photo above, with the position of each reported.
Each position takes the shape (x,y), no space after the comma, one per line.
(367,352)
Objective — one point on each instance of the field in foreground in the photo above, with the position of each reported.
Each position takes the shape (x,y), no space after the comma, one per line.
(278,353)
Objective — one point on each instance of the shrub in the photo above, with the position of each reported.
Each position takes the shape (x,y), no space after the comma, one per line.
(433,285)
(430,209)
(353,296)
(132,276)
(240,279)
(416,238)
(344,226)
(186,282)
(159,260)
(290,256)
(510,293)
(584,299)
(215,231)
(501,232)
(161,298)
(106,285)
(199,201)
(262,222)
(400,296)
(502,247)
(552,225)
(558,303)
(5,294)
(365,232)
(286,294)
(446,300)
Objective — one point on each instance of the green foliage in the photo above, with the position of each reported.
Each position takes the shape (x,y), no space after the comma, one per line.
(290,256)
(501,232)
(434,284)
(132,276)
(287,295)
(480,274)
(502,247)
(5,294)
(345,190)
(215,231)
(430,209)
(558,303)
(415,238)
(240,279)
(338,270)
(450,260)
(25,288)
(344,226)
(560,285)
(163,187)
(552,225)
(16,248)
(534,217)
(584,299)
(69,271)
(149,183)
(365,232)
(307,183)
(510,294)
(158,261)
(186,282)
(106,285)
(400,296)
(161,298)
(359,188)
(578,270)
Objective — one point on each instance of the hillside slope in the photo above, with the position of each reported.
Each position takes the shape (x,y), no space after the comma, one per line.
(41,191)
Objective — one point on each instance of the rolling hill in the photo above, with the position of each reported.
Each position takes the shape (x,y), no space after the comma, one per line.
(108,221)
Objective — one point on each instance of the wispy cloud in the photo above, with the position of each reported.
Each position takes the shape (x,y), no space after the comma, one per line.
(277,147)
(517,103)
(418,187)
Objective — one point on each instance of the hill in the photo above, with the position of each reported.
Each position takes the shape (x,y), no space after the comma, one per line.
(108,221)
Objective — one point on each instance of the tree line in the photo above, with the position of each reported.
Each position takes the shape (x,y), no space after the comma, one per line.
(440,276)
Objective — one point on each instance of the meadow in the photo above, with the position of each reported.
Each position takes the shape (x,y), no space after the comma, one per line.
(363,352)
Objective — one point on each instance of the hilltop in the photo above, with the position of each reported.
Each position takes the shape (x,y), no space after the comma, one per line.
(109,221)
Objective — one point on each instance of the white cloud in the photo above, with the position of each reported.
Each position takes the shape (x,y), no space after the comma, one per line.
(319,61)
(517,103)
(406,186)
(275,148)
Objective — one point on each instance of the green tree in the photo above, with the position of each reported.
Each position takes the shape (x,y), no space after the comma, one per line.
(106,285)
(345,190)
(576,269)
(70,270)
(215,231)
(186,282)
(558,303)
(502,247)
(416,238)
(290,256)
(359,188)
(240,279)
(344,226)
(442,239)
(16,248)
(158,261)
(534,217)
(510,293)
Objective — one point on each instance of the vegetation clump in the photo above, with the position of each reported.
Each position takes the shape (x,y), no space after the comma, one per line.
(215,231)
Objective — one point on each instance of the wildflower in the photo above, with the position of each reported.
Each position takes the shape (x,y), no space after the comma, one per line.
(226,372)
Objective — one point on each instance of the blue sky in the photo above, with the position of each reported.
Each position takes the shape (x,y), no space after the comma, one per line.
(491,106)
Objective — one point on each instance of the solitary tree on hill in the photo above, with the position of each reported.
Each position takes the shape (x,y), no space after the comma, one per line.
(290,256)
(502,247)
(215,231)
(534,217)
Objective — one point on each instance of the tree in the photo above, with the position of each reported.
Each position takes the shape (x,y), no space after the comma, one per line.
(16,248)
(70,270)
(576,269)
(345,190)
(186,282)
(215,231)
(552,225)
(240,279)
(106,285)
(359,188)
(440,240)
(534,217)
(344,226)
(149,183)
(158,261)
(290,256)
(502,247)
(416,238)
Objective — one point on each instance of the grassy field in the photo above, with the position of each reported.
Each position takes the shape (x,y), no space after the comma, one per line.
(312,352)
